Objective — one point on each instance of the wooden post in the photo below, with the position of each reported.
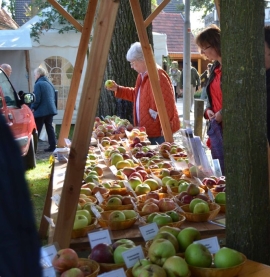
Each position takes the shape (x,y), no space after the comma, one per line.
(85,120)
(77,74)
(152,70)
(152,16)
(198,117)
(217,3)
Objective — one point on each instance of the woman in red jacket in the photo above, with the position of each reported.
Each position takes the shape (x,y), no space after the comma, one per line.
(144,109)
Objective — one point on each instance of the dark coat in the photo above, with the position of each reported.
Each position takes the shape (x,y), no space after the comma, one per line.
(45,98)
(268,103)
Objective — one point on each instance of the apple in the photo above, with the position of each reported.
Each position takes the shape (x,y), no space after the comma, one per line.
(202,196)
(152,194)
(73,272)
(109,83)
(186,199)
(99,188)
(165,179)
(117,254)
(114,201)
(209,182)
(201,208)
(102,253)
(193,189)
(126,200)
(152,183)
(221,198)
(122,164)
(198,255)
(152,270)
(227,257)
(174,215)
(137,267)
(129,214)
(176,266)
(162,219)
(86,191)
(143,173)
(136,174)
(121,242)
(173,230)
(160,250)
(166,204)
(168,236)
(183,186)
(151,200)
(150,208)
(142,189)
(80,221)
(151,217)
(116,158)
(65,259)
(194,202)
(85,268)
(90,178)
(219,188)
(128,171)
(117,216)
(86,214)
(172,183)
(187,236)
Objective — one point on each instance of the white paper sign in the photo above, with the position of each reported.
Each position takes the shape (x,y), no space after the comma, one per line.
(113,169)
(99,197)
(211,243)
(98,237)
(95,211)
(217,168)
(114,273)
(56,199)
(50,220)
(132,255)
(48,253)
(149,231)
(48,272)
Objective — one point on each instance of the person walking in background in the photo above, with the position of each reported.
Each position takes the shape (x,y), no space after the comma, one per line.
(7,69)
(175,77)
(195,84)
(144,109)
(209,43)
(204,79)
(44,108)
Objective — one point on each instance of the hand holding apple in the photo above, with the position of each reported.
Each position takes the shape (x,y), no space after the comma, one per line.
(111,85)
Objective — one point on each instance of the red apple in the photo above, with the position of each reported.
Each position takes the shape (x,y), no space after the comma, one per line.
(166,204)
(186,199)
(139,167)
(219,188)
(65,259)
(143,173)
(135,174)
(221,181)
(151,200)
(102,253)
(152,194)
(150,208)
(136,140)
(129,127)
(126,200)
(128,171)
(209,182)
(139,154)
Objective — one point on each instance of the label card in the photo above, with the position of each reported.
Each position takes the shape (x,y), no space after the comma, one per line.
(211,243)
(50,220)
(149,231)
(99,197)
(95,211)
(56,199)
(48,272)
(132,255)
(47,255)
(98,237)
(113,169)
(217,168)
(114,273)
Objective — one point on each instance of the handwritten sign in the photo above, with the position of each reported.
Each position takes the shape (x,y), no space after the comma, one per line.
(98,237)
(211,243)
(132,255)
(149,231)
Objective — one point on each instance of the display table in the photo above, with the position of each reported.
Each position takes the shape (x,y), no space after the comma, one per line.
(254,269)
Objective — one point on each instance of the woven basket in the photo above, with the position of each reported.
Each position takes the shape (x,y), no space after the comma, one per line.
(121,191)
(93,266)
(217,272)
(105,207)
(214,210)
(222,208)
(142,198)
(115,225)
(79,233)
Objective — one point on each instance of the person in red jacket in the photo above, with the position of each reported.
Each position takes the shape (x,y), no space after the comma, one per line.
(144,109)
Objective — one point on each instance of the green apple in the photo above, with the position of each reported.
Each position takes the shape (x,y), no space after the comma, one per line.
(174,215)
(85,213)
(117,216)
(162,219)
(227,257)
(170,237)
(122,164)
(114,201)
(86,191)
(138,266)
(164,172)
(152,183)
(132,164)
(165,179)
(176,266)
(134,182)
(152,270)
(122,149)
(187,236)
(172,183)
(109,83)
(193,189)
(92,178)
(221,198)
(121,242)
(142,189)
(182,186)
(117,253)
(151,217)
(193,202)
(173,230)
(116,158)
(198,255)
(201,208)
(160,250)
(130,214)
(80,221)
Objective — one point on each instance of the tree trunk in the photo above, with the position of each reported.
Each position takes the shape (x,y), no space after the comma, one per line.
(118,68)
(244,119)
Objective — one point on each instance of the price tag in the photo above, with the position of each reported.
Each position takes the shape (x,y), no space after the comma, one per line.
(48,253)
(129,188)
(210,194)
(149,231)
(98,237)
(172,159)
(217,168)
(67,142)
(99,197)
(50,220)
(211,243)
(56,199)
(95,211)
(113,169)
(132,255)
(114,273)
(48,272)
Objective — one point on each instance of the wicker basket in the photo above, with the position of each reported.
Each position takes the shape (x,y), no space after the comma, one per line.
(79,233)
(105,207)
(119,191)
(214,210)
(142,198)
(115,225)
(217,272)
(93,266)
(222,208)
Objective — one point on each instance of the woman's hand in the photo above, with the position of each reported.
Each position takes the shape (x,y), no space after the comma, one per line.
(210,114)
(111,85)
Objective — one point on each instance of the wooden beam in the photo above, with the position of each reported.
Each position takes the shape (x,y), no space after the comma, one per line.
(154,14)
(85,120)
(152,70)
(77,73)
(217,3)
(66,15)
(28,70)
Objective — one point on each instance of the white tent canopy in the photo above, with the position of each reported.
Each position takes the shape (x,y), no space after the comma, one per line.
(15,40)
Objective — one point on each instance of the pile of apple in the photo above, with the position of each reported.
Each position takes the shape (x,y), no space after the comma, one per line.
(216,184)
(167,148)
(83,218)
(122,215)
(220,198)
(118,200)
(67,264)
(111,253)
(199,206)
(139,132)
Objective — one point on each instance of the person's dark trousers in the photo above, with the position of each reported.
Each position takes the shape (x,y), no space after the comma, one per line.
(175,93)
(47,120)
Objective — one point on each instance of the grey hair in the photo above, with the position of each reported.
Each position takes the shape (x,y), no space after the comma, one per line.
(135,52)
(40,71)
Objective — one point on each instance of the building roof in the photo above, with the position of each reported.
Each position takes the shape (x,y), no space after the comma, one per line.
(172,6)
(6,22)
(172,24)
